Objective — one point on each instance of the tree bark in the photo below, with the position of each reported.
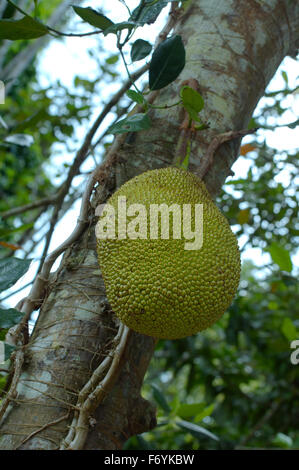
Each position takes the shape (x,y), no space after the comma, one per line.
(233,49)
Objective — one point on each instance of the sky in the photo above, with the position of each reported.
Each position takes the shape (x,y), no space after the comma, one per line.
(63,60)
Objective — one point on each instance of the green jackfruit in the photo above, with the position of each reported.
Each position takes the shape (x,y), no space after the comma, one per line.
(163,287)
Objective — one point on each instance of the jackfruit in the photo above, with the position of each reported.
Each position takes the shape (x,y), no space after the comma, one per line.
(159,285)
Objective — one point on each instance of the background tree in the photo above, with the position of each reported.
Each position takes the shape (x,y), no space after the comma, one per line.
(27,136)
(227,387)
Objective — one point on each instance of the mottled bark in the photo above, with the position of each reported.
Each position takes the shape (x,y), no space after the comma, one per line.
(233,49)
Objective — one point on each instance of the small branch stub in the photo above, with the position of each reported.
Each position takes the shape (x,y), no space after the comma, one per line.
(219,139)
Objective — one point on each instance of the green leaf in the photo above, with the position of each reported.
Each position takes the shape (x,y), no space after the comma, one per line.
(236,182)
(143,444)
(94,18)
(9,349)
(31,121)
(87,84)
(168,60)
(3,123)
(289,330)
(3,333)
(285,76)
(112,59)
(206,412)
(36,7)
(281,257)
(134,96)
(147,12)
(5,351)
(187,410)
(195,430)
(252,124)
(9,317)
(26,28)
(273,305)
(134,123)
(202,126)
(5,232)
(288,280)
(11,269)
(192,101)
(282,440)
(185,163)
(140,50)
(293,125)
(119,27)
(160,399)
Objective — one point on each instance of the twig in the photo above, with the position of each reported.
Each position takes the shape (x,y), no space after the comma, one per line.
(34,242)
(12,393)
(105,133)
(76,35)
(47,425)
(264,419)
(97,390)
(34,205)
(51,29)
(208,158)
(173,16)
(16,291)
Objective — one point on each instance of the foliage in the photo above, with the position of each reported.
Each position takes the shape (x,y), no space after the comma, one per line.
(167,62)
(11,270)
(36,127)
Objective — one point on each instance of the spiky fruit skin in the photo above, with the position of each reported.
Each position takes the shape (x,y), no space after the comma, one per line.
(158,288)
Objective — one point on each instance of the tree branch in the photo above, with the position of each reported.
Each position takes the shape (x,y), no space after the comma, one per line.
(208,158)
(45,202)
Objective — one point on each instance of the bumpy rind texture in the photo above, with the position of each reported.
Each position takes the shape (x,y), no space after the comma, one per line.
(157,287)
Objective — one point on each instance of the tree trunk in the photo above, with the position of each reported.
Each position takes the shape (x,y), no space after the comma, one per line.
(233,49)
